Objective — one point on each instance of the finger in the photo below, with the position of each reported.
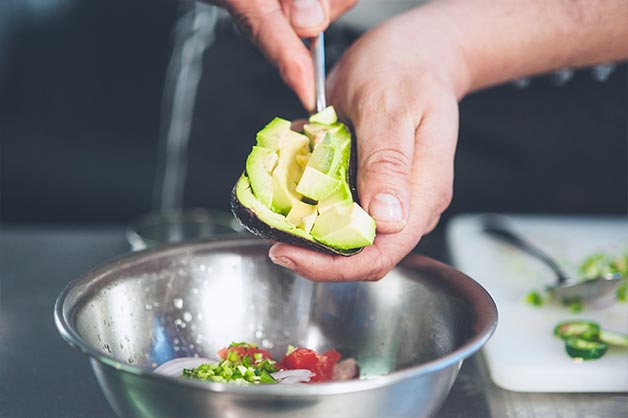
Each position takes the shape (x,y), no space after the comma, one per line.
(371,264)
(298,124)
(385,148)
(307,17)
(339,7)
(433,164)
(264,22)
(310,17)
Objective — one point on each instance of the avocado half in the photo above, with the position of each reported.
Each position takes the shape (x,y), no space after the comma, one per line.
(298,187)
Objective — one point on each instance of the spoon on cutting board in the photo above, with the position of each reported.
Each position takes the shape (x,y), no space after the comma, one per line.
(565,288)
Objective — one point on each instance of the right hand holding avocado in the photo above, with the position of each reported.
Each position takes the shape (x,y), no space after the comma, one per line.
(399,93)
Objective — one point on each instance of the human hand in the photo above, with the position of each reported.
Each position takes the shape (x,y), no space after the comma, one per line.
(399,89)
(275,26)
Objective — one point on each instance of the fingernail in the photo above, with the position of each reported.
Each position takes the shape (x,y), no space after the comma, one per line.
(307,13)
(386,207)
(282,261)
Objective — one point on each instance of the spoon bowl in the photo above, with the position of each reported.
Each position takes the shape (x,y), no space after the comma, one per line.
(565,288)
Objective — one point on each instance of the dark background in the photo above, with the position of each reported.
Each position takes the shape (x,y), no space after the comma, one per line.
(80,104)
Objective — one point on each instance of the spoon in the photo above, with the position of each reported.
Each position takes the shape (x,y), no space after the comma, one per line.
(317,48)
(565,288)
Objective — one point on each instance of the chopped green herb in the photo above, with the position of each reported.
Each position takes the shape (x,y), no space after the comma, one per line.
(535,298)
(235,369)
(622,290)
(574,305)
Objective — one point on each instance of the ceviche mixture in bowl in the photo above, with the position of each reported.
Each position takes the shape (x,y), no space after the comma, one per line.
(245,363)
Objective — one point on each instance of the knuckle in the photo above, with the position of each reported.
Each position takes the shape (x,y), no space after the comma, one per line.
(383,264)
(445,200)
(246,26)
(253,24)
(386,162)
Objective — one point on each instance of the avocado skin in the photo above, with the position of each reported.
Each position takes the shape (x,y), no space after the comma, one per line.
(247,218)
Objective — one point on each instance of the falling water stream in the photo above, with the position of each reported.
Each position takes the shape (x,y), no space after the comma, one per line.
(193,34)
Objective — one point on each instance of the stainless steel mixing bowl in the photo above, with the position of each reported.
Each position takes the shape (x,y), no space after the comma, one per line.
(409,332)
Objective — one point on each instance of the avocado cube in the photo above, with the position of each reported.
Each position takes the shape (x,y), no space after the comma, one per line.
(344,227)
(302,215)
(316,185)
(326,116)
(326,156)
(270,137)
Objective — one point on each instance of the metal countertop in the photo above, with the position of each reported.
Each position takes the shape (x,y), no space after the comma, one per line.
(41,376)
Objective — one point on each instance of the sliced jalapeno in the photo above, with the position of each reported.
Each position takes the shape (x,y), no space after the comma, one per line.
(584,329)
(578,347)
(614,338)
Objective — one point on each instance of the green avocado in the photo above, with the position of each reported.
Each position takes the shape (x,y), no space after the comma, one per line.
(296,187)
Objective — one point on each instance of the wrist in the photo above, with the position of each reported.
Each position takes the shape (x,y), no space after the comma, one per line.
(435,42)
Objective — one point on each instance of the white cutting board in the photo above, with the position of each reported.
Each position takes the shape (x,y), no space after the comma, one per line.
(523,355)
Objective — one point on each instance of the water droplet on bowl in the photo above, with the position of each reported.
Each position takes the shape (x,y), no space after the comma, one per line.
(259,334)
(187,317)
(178,303)
(199,316)
(148,307)
(195,291)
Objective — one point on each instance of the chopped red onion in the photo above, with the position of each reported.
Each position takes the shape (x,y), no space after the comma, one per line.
(346,370)
(286,377)
(175,366)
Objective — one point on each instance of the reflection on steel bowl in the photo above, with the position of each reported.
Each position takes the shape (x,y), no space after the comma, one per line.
(409,332)
(177,225)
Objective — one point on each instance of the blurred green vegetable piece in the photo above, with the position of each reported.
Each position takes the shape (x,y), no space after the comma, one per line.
(235,369)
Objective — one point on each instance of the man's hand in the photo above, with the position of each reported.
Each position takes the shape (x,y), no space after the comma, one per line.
(399,90)
(276,27)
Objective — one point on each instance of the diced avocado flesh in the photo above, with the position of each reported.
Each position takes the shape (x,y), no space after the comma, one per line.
(342,196)
(344,227)
(248,199)
(302,215)
(262,161)
(326,116)
(326,157)
(291,149)
(306,193)
(316,185)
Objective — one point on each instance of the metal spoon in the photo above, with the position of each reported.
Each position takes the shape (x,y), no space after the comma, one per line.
(565,288)
(317,48)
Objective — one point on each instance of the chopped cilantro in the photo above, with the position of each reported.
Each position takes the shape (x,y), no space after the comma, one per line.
(534,298)
(235,369)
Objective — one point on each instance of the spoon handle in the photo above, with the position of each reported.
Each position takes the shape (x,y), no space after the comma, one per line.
(496,228)
(317,48)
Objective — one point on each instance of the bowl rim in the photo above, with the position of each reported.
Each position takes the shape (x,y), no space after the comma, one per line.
(482,303)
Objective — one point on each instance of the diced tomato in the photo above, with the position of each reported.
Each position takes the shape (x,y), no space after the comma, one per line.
(244,351)
(322,365)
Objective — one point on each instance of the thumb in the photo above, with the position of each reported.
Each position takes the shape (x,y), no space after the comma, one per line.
(307,17)
(385,153)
